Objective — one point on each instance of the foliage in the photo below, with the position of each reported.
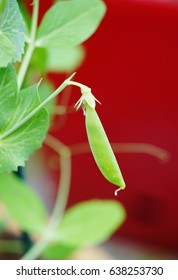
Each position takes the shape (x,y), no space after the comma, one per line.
(12,33)
(16,135)
(25,106)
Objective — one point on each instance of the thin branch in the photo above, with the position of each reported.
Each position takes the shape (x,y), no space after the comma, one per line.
(140,148)
(27,57)
(65,177)
(61,200)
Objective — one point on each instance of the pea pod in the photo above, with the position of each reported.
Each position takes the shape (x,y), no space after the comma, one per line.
(101,148)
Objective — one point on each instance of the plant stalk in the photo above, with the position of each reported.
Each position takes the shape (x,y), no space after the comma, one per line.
(31,46)
(65,178)
(61,200)
(138,148)
(36,250)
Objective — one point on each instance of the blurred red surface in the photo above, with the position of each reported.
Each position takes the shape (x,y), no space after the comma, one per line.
(131,66)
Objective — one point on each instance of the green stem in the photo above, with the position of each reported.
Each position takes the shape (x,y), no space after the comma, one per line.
(31,46)
(65,179)
(83,88)
(37,109)
(139,148)
(36,249)
(61,200)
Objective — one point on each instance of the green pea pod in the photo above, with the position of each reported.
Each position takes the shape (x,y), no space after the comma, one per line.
(101,148)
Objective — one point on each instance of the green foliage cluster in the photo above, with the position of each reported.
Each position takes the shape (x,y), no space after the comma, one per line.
(24,122)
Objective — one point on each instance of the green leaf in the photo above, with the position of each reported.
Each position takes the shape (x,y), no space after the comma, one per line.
(2,5)
(90,222)
(23,204)
(18,143)
(25,14)
(12,30)
(69,23)
(57,251)
(64,60)
(6,50)
(39,60)
(8,91)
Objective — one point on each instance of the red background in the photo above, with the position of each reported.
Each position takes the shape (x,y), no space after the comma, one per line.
(131,66)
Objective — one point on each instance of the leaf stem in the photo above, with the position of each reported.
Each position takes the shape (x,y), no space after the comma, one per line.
(65,178)
(139,148)
(61,200)
(31,46)
(83,88)
(37,109)
(36,249)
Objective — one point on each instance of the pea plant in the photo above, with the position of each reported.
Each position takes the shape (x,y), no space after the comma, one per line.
(29,51)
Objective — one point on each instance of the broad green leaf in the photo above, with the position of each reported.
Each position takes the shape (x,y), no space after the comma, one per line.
(25,14)
(57,251)
(17,146)
(90,222)
(6,50)
(8,92)
(39,60)
(2,5)
(64,60)
(69,23)
(13,28)
(23,204)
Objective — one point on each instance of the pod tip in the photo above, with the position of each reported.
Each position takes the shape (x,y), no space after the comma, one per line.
(119,189)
